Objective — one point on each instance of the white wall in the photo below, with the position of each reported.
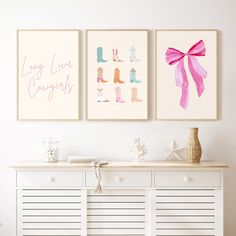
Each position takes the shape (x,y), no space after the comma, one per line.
(111,140)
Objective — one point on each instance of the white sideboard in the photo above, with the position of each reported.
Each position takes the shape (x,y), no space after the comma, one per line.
(138,199)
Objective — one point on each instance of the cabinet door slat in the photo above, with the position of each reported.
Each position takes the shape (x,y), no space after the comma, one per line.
(52,232)
(175,193)
(186,225)
(116,231)
(53,212)
(113,218)
(119,212)
(53,192)
(185,212)
(52,225)
(192,205)
(51,218)
(116,205)
(118,224)
(54,199)
(51,205)
(187,199)
(183,218)
(115,198)
(187,232)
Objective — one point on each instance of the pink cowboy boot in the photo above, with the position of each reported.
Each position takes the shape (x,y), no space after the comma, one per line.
(100,75)
(118,95)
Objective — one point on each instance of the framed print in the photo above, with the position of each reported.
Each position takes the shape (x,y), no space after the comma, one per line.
(186,74)
(117,74)
(48,74)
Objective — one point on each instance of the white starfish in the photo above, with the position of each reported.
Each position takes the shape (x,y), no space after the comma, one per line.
(174,151)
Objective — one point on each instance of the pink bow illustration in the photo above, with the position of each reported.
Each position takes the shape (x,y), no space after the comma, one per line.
(174,56)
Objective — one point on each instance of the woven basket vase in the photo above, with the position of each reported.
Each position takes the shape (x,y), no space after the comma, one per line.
(194,150)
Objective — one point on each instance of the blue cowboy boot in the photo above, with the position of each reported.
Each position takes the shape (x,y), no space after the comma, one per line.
(100,55)
(133,78)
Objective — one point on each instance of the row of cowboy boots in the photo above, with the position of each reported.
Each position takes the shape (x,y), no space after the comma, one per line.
(133,78)
(115,55)
(134,95)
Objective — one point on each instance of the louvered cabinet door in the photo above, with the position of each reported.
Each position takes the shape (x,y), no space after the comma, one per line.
(54,212)
(186,212)
(116,213)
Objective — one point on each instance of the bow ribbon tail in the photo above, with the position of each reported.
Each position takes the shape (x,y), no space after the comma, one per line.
(182,81)
(198,73)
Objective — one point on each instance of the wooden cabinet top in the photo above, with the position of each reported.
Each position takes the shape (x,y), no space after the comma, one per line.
(113,164)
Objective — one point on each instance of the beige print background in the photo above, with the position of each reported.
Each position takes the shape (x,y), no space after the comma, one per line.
(122,40)
(39,47)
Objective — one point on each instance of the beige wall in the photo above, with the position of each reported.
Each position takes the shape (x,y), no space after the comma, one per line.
(111,140)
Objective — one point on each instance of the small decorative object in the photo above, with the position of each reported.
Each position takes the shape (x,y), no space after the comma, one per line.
(51,150)
(186,74)
(80,159)
(117,74)
(174,151)
(98,175)
(194,150)
(48,75)
(138,150)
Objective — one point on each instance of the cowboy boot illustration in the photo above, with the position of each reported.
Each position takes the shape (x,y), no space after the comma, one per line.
(134,96)
(100,75)
(118,95)
(115,55)
(117,76)
(100,97)
(133,54)
(100,55)
(133,78)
